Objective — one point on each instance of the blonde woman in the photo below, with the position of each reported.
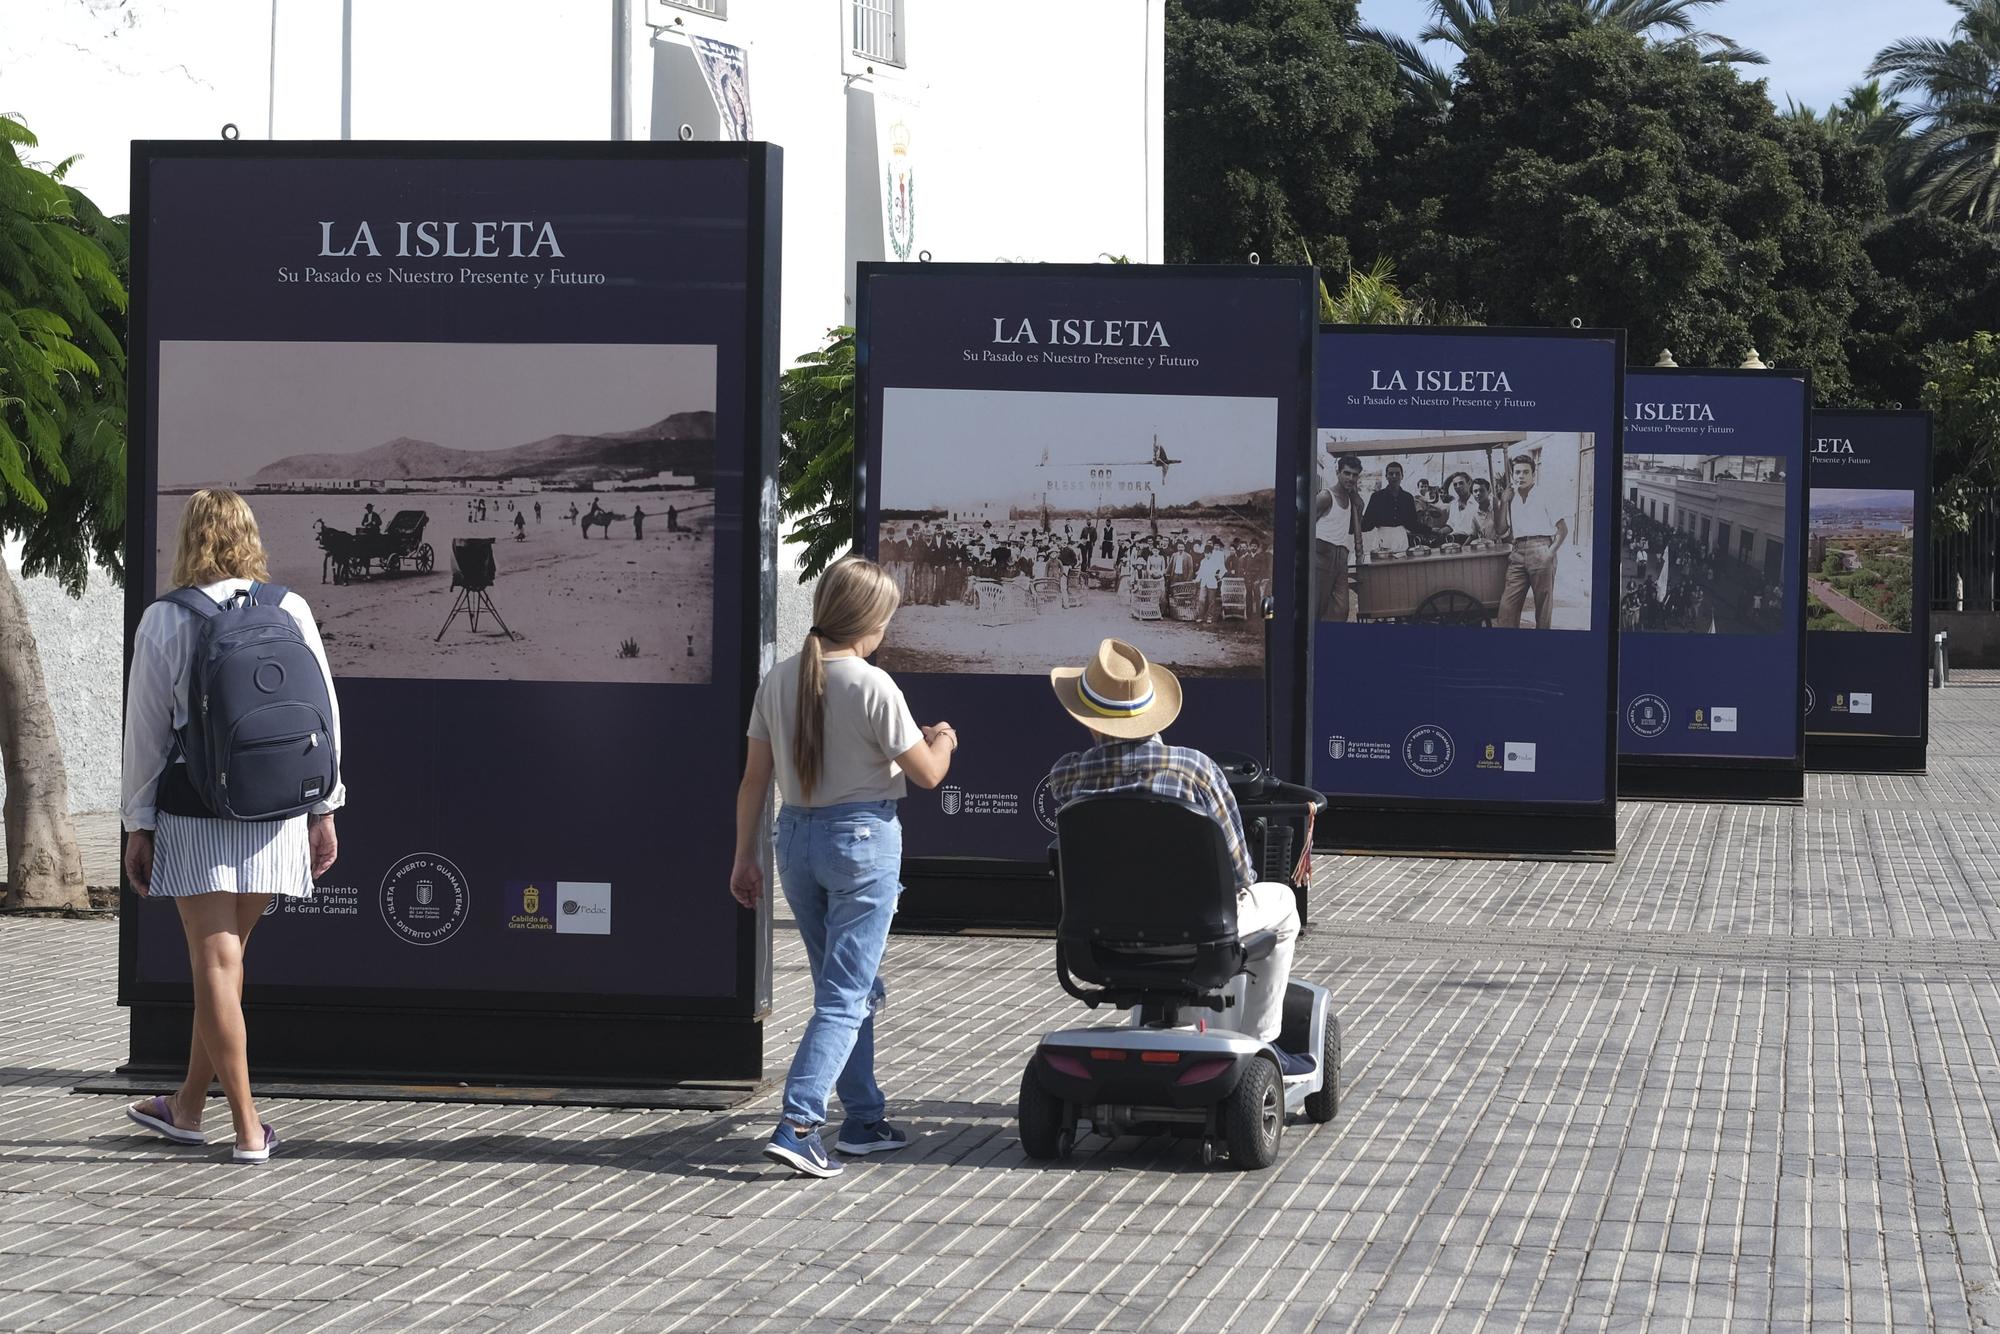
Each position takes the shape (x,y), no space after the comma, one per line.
(837,735)
(220,873)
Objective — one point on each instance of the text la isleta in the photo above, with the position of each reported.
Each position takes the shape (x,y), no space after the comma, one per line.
(1081,333)
(446,240)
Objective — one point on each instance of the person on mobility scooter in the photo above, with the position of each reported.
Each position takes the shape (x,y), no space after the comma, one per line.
(1162,911)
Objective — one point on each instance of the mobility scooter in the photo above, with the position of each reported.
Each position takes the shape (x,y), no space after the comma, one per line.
(1148,898)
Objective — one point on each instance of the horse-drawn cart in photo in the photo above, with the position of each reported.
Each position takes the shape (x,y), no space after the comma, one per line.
(1451,583)
(363,555)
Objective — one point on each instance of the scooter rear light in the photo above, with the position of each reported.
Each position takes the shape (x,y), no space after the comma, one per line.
(1203,1071)
(1106,1054)
(1160,1057)
(1066,1065)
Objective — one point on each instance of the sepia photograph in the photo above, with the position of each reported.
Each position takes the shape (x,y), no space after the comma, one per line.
(1023,528)
(1859,560)
(1484,529)
(1704,546)
(479,511)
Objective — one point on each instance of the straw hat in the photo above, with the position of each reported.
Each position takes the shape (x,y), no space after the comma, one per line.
(1119,693)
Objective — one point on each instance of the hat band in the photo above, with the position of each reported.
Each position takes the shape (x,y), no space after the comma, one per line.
(1114,708)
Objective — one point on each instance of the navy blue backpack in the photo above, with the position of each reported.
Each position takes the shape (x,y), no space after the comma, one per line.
(258,744)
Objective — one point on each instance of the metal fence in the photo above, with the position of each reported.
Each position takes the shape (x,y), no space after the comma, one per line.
(1963,565)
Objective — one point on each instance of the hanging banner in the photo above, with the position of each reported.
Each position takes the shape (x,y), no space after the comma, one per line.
(895,139)
(518,459)
(1711,608)
(1463,505)
(1867,704)
(1056,454)
(726,71)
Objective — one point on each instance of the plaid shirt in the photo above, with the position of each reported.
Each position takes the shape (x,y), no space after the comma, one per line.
(1153,766)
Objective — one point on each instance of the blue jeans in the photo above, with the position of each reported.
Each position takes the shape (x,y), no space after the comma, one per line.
(839,866)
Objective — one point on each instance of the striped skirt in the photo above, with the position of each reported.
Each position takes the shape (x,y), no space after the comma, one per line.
(194,855)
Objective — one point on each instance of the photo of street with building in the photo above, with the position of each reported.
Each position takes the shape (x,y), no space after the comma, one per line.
(1704,544)
(1023,528)
(525,512)
(1859,560)
(1488,529)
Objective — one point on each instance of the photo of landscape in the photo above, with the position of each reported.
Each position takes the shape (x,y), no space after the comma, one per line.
(1859,553)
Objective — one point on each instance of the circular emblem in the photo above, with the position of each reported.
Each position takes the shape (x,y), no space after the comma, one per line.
(1427,750)
(424,899)
(1648,715)
(569,908)
(1809,699)
(1045,805)
(269,677)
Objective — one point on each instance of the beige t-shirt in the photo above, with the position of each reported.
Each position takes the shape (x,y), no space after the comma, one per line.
(867,725)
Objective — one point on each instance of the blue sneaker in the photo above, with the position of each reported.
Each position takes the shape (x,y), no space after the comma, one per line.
(1292,1065)
(870,1137)
(804,1154)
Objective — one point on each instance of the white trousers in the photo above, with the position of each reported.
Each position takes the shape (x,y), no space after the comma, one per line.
(1267,906)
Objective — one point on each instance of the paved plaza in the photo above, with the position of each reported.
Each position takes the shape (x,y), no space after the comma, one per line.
(1744,1077)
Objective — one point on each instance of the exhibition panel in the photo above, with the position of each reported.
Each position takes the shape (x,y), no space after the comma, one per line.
(1050,455)
(1711,609)
(506,415)
(1867,704)
(1465,485)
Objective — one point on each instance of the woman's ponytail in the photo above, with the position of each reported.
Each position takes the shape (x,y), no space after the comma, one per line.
(854,599)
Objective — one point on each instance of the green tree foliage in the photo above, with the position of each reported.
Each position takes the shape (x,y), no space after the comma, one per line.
(1947,159)
(1962,389)
(1270,117)
(1934,280)
(816,451)
(62,369)
(1582,172)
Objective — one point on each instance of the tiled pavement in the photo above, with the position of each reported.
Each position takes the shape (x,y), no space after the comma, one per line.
(1743,1077)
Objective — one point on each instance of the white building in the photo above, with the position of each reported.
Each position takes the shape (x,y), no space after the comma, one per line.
(970,132)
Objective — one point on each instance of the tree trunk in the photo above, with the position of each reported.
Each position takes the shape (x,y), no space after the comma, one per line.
(44,866)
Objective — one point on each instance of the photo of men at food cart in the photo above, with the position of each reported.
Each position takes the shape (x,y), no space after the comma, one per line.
(1494,533)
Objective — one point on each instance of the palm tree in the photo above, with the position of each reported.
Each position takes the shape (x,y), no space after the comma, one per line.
(1948,159)
(1866,112)
(1459,23)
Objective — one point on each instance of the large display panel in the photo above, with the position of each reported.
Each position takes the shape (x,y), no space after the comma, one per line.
(505,414)
(1464,502)
(1711,608)
(1054,454)
(1868,549)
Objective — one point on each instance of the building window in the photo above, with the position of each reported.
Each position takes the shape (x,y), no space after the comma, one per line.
(878,30)
(713,8)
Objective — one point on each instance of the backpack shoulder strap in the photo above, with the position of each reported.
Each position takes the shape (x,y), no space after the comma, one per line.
(194,600)
(267,595)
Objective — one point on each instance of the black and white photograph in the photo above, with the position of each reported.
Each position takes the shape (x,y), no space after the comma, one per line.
(482,511)
(1485,529)
(1704,549)
(1023,528)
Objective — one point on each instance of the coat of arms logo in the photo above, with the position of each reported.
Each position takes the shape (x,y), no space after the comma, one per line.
(900,195)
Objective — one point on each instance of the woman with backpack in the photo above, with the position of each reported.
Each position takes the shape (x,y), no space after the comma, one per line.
(838,735)
(196,713)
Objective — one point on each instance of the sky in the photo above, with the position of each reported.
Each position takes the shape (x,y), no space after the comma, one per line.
(957,447)
(227,409)
(1818,48)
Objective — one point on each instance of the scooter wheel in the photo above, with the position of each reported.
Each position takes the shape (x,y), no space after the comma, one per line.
(1040,1115)
(1065,1144)
(1322,1106)
(1254,1116)
(1209,1151)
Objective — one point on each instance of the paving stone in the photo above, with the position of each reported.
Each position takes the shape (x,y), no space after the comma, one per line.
(1747,1076)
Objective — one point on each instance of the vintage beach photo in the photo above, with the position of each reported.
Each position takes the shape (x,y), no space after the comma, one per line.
(488,511)
(1859,554)
(1704,549)
(1485,529)
(1023,528)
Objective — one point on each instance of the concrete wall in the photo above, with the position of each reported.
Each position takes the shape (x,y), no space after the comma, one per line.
(82,662)
(1975,636)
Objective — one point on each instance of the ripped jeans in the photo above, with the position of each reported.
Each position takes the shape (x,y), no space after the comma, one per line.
(840,867)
